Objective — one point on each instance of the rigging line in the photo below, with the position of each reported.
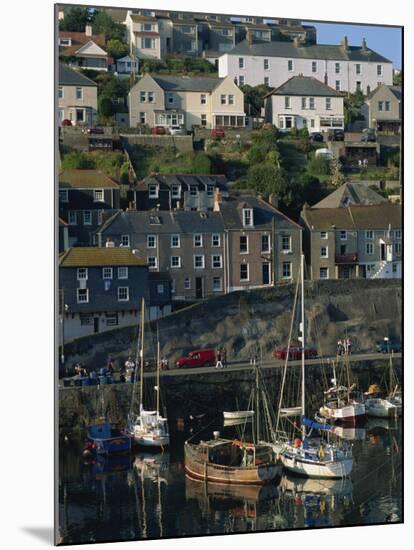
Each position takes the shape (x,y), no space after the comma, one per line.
(287,351)
(202,429)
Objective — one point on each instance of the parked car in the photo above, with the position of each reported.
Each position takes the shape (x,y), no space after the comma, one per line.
(336,135)
(177,131)
(158,131)
(368,134)
(95,130)
(324,152)
(197,358)
(295,353)
(316,136)
(217,132)
(387,346)
(66,122)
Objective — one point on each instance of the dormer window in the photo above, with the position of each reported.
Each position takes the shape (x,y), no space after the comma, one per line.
(153,191)
(65,42)
(176,191)
(247,217)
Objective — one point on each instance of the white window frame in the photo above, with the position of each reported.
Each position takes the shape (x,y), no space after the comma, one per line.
(247,244)
(175,262)
(265,250)
(170,98)
(369,249)
(155,266)
(122,288)
(397,248)
(195,261)
(358,68)
(325,269)
(283,247)
(230,99)
(241,63)
(160,288)
(324,249)
(311,103)
(397,234)
(98,193)
(369,234)
(203,99)
(176,237)
(380,70)
(218,288)
(61,93)
(247,278)
(343,235)
(266,64)
(283,270)
(151,193)
(214,258)
(175,191)
(328,103)
(247,215)
(151,97)
(79,92)
(198,238)
(314,67)
(193,190)
(324,235)
(216,240)
(142,96)
(187,283)
(82,274)
(291,66)
(266,81)
(142,117)
(304,103)
(223,99)
(287,102)
(151,238)
(72,217)
(337,68)
(338,85)
(85,292)
(122,272)
(125,241)
(107,273)
(85,217)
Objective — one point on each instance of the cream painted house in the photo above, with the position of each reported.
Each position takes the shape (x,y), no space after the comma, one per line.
(77,98)
(143,36)
(304,102)
(184,101)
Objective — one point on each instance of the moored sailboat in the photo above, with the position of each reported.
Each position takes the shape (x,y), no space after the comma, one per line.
(389,406)
(302,454)
(149,428)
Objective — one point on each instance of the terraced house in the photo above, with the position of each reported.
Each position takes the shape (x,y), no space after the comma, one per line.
(101,289)
(84,196)
(344,68)
(77,98)
(243,243)
(185,101)
(356,241)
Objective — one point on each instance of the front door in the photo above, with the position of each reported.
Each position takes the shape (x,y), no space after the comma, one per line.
(382,251)
(96,324)
(199,287)
(266,273)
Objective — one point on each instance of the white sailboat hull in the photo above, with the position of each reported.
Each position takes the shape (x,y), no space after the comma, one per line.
(351,412)
(149,440)
(382,408)
(237,415)
(335,469)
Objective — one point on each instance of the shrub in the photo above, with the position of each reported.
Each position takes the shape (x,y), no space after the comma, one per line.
(319,165)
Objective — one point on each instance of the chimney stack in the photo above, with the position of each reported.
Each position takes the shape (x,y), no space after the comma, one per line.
(88,29)
(344,43)
(364,44)
(273,200)
(217,200)
(109,243)
(296,42)
(249,36)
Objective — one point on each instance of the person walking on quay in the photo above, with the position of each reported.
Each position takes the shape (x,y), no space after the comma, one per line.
(219,363)
(340,347)
(110,365)
(224,356)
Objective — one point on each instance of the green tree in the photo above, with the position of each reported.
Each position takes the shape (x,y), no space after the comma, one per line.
(75,19)
(104,24)
(116,48)
(397,78)
(352,107)
(254,98)
(320,166)
(78,161)
(105,107)
(266,178)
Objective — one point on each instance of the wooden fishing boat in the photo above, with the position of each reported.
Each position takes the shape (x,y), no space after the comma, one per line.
(103,439)
(231,461)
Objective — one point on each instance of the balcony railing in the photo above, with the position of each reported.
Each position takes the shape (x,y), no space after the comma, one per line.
(346,258)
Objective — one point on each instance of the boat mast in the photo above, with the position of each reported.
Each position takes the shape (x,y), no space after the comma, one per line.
(141,353)
(257,402)
(158,372)
(302,338)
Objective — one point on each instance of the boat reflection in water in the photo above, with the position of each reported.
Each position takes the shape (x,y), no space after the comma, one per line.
(315,502)
(237,508)
(349,433)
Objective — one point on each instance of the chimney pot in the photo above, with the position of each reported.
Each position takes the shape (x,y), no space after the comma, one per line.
(88,29)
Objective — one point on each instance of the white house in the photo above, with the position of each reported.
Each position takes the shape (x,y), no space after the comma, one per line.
(305,102)
(343,68)
(143,36)
(126,65)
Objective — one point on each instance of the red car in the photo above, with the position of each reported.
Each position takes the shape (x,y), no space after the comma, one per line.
(198,358)
(66,122)
(217,132)
(295,353)
(158,131)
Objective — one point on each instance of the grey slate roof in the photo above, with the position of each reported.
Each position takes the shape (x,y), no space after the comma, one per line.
(148,222)
(69,77)
(263,214)
(379,216)
(315,51)
(304,85)
(187,83)
(351,193)
(396,90)
(185,180)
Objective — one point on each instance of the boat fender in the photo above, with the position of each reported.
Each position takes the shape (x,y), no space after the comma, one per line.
(321,453)
(86,453)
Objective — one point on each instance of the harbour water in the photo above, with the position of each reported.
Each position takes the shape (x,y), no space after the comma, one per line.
(148,495)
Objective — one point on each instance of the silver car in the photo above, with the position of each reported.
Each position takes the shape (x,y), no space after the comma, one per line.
(177,131)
